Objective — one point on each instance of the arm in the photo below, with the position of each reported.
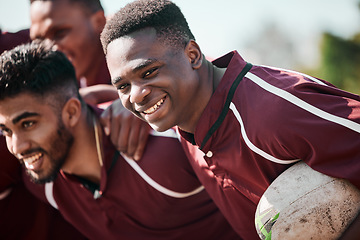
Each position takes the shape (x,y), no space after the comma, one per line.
(128,133)
(99,93)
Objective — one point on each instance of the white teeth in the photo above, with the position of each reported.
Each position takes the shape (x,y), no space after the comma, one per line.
(32,159)
(155,107)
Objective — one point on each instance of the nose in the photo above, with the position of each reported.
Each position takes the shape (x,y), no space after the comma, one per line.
(138,93)
(18,144)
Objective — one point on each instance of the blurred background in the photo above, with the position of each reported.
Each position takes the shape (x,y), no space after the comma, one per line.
(317,37)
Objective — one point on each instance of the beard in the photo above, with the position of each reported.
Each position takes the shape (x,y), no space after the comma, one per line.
(60,144)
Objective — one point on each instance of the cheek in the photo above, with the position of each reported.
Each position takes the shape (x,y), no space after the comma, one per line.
(79,42)
(43,136)
(125,101)
(9,144)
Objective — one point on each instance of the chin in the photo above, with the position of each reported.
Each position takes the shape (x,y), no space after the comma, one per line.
(38,179)
(158,128)
(161,127)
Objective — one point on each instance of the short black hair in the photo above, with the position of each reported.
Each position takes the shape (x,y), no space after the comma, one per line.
(91,5)
(37,69)
(162,15)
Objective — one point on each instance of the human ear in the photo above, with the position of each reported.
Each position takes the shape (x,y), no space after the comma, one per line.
(194,54)
(98,21)
(71,112)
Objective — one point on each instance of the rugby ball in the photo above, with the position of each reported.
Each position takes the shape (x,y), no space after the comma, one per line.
(302,203)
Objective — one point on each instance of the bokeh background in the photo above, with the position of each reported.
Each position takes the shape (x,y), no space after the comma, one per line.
(318,37)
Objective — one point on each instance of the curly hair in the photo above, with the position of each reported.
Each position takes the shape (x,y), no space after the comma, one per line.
(37,69)
(90,5)
(162,15)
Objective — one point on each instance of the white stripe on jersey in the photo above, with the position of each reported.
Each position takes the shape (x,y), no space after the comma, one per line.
(252,146)
(168,133)
(157,186)
(302,74)
(49,194)
(302,104)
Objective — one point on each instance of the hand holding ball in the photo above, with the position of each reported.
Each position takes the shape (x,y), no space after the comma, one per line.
(302,203)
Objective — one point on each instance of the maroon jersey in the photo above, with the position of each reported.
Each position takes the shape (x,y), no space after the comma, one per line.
(9,40)
(261,120)
(23,216)
(158,197)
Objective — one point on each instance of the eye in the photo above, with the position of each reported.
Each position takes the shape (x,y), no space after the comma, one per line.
(122,87)
(5,132)
(27,124)
(60,33)
(151,73)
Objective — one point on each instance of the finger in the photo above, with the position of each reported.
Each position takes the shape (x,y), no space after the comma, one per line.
(143,138)
(105,119)
(133,138)
(120,133)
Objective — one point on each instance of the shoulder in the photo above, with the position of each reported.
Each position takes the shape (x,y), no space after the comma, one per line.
(10,168)
(9,40)
(165,162)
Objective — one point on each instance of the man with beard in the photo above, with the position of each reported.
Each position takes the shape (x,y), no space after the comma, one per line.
(59,141)
(74,27)
(38,220)
(23,216)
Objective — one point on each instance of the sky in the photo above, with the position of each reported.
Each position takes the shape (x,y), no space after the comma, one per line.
(226,25)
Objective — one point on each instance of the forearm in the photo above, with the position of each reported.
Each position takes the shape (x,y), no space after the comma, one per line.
(98,93)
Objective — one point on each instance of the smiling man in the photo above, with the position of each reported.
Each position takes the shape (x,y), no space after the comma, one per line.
(250,122)
(43,160)
(38,220)
(74,27)
(58,139)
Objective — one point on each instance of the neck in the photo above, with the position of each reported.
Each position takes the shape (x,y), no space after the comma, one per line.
(218,73)
(97,72)
(210,77)
(83,158)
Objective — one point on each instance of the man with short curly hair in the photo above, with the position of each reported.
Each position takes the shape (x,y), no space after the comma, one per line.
(250,122)
(57,138)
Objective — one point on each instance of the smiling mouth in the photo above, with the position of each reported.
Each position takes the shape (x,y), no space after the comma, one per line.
(155,107)
(30,161)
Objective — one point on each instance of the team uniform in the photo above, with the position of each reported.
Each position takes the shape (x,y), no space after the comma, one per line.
(260,121)
(158,197)
(9,40)
(22,215)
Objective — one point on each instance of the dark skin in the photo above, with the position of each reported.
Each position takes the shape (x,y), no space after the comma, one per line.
(159,84)
(130,136)
(76,32)
(141,86)
(195,61)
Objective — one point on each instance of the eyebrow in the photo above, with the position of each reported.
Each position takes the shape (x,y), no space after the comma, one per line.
(139,67)
(24,115)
